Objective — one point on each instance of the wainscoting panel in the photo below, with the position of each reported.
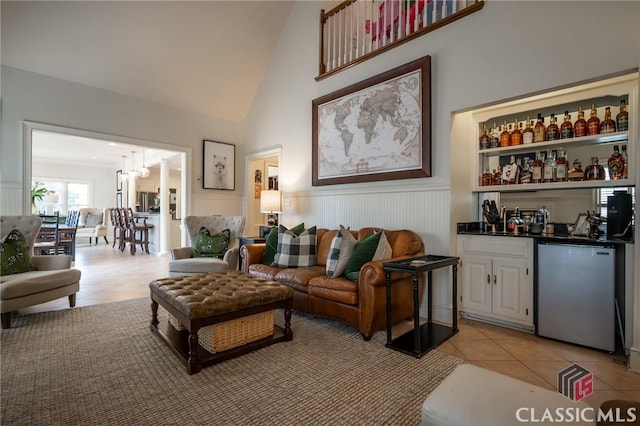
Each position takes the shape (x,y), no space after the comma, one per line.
(10,199)
(423,209)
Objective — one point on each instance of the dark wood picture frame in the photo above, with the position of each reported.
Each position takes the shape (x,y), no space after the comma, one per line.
(119,199)
(414,156)
(118,180)
(218,165)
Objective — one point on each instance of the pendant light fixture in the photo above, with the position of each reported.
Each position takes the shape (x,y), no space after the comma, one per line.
(123,175)
(132,173)
(143,172)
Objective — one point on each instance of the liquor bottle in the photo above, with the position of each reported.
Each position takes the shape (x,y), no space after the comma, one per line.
(527,133)
(539,131)
(562,166)
(494,137)
(484,138)
(622,119)
(593,124)
(566,129)
(607,125)
(548,173)
(576,174)
(553,133)
(516,133)
(487,177)
(616,164)
(625,171)
(580,126)
(538,165)
(497,177)
(594,171)
(505,136)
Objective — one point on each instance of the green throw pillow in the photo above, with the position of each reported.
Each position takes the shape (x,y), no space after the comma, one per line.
(271,244)
(208,245)
(15,258)
(362,253)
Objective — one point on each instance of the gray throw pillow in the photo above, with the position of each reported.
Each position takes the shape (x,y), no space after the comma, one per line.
(93,220)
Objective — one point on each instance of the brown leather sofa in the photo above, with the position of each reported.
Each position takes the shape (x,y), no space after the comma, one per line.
(361,304)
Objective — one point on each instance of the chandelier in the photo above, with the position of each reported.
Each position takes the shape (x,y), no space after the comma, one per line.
(123,175)
(143,172)
(133,174)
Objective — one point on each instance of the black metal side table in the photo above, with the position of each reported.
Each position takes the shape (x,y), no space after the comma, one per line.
(421,339)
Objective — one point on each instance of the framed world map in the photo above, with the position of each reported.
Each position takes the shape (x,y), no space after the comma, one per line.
(378,129)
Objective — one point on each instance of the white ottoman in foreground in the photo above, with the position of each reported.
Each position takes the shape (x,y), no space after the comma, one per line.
(475,396)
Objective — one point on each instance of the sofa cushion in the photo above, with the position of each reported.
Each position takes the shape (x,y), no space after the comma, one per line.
(340,252)
(296,251)
(362,253)
(299,276)
(340,289)
(271,243)
(15,258)
(33,282)
(93,220)
(208,245)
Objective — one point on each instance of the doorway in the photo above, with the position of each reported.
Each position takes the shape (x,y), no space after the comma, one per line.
(262,173)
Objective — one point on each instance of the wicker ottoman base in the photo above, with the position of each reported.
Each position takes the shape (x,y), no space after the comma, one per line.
(231,334)
(217,316)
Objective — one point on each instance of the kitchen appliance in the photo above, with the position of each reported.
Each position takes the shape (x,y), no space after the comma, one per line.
(576,294)
(619,213)
(146,201)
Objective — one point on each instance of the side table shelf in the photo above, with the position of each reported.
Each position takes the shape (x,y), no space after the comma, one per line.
(425,337)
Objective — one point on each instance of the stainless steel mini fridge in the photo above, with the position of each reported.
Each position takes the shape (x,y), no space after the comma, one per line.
(576,294)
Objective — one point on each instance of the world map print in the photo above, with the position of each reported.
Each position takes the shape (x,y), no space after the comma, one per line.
(373,130)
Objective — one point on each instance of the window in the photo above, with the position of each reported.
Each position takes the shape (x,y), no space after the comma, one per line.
(71,195)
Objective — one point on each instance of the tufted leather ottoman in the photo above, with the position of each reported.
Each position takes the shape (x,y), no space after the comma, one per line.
(202,300)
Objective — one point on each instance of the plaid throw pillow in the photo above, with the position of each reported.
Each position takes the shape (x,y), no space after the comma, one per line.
(340,252)
(295,251)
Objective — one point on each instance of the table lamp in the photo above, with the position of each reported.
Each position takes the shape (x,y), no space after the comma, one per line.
(271,203)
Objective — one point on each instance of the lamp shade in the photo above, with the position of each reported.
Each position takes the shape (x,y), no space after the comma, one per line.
(270,201)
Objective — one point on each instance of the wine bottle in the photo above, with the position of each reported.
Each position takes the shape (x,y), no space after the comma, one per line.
(539,131)
(553,133)
(607,125)
(622,119)
(566,129)
(593,124)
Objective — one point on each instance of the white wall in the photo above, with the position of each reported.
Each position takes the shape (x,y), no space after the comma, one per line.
(505,50)
(42,99)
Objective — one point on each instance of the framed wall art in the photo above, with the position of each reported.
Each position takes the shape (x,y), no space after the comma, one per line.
(378,129)
(118,180)
(218,166)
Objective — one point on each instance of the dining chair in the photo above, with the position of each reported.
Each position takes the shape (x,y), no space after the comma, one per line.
(48,238)
(138,232)
(67,238)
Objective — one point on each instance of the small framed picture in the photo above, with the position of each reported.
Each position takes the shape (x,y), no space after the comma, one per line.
(218,165)
(582,227)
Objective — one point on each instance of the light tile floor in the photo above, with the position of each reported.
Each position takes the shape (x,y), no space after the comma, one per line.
(109,276)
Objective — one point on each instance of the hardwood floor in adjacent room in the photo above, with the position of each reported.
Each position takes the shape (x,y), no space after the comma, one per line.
(109,276)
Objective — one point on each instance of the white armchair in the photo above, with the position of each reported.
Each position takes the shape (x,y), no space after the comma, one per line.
(53,278)
(184,262)
(90,229)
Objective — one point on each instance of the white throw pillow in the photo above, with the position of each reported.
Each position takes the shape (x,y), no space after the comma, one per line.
(340,252)
(384,249)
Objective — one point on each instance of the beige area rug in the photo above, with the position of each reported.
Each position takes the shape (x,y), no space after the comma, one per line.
(102,365)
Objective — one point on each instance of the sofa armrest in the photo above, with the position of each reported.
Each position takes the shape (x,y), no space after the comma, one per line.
(372,273)
(251,254)
(51,263)
(181,253)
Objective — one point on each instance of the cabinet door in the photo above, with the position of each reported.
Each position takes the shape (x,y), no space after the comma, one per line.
(476,284)
(510,289)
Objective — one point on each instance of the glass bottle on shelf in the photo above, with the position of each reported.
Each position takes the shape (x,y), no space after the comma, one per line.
(616,164)
(576,174)
(593,124)
(516,133)
(625,171)
(484,138)
(505,136)
(562,166)
(494,137)
(580,126)
(538,165)
(594,171)
(526,170)
(607,125)
(497,177)
(527,133)
(622,119)
(487,177)
(566,129)
(553,133)
(539,130)
(548,173)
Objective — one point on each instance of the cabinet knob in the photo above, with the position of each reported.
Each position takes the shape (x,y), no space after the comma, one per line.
(495,279)
(489,279)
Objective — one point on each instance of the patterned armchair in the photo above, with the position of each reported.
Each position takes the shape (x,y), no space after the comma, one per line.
(185,259)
